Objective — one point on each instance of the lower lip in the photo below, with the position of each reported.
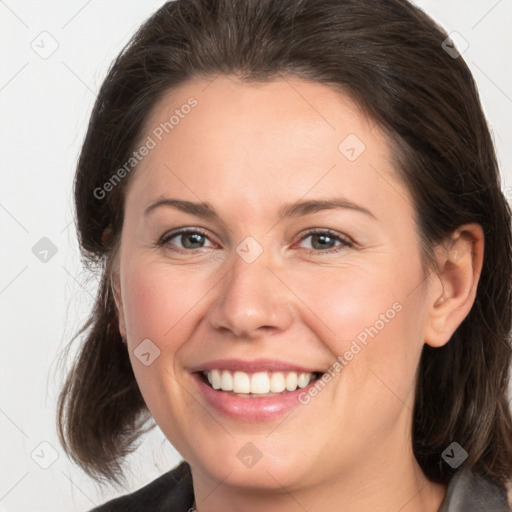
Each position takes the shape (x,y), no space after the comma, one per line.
(251,409)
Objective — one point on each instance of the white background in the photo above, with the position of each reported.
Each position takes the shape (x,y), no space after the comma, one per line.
(45,105)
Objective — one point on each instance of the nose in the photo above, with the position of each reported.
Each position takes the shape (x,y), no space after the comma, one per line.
(252,300)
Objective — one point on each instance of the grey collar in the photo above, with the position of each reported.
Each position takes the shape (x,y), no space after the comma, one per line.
(468,492)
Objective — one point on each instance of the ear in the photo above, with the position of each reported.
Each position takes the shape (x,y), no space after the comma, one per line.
(113,271)
(452,289)
(116,290)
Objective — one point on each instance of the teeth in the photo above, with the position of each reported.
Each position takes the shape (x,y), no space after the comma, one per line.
(303,380)
(291,382)
(241,383)
(259,383)
(226,381)
(214,379)
(277,383)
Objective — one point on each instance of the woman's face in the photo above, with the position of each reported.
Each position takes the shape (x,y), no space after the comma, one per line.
(297,253)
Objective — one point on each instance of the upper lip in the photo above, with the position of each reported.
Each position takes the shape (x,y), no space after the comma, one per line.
(255,365)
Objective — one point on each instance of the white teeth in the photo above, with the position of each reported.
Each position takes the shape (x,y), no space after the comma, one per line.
(241,383)
(226,382)
(303,380)
(259,383)
(277,383)
(214,378)
(291,382)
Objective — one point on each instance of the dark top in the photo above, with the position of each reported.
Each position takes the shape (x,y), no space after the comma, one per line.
(173,492)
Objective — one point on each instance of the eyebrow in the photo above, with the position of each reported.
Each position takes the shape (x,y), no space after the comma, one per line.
(297,209)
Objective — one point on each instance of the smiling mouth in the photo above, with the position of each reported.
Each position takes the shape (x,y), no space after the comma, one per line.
(257,384)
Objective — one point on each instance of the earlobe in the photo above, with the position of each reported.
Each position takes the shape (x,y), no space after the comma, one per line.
(452,289)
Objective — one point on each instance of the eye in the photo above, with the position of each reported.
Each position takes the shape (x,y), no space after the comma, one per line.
(322,241)
(190,239)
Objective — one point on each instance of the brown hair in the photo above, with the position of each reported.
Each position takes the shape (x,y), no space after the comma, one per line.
(388,56)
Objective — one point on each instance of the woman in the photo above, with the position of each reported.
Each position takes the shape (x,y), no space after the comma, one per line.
(306,264)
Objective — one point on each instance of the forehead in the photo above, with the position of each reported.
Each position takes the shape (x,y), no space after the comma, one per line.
(283,137)
(260,106)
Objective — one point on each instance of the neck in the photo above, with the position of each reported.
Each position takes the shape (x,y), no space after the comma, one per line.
(406,489)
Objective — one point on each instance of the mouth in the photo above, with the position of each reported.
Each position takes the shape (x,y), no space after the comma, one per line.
(257,390)
(262,384)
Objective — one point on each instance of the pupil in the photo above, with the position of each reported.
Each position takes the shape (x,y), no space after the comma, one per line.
(197,236)
(322,245)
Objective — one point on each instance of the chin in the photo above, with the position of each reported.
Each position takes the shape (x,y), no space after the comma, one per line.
(252,462)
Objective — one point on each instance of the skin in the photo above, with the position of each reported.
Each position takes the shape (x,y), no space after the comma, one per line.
(247,150)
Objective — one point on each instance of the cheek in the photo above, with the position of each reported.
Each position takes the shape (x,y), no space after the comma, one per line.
(376,325)
(159,301)
(356,302)
(373,318)
(161,304)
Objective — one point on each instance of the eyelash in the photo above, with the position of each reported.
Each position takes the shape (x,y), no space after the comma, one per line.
(345,242)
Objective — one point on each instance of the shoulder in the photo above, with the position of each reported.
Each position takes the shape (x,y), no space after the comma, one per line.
(470,492)
(171,491)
